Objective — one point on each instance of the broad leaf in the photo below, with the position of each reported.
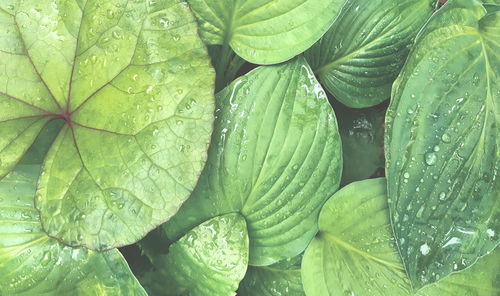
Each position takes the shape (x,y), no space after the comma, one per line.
(31,263)
(361,131)
(133,82)
(443,144)
(275,157)
(265,31)
(361,55)
(210,259)
(282,278)
(355,254)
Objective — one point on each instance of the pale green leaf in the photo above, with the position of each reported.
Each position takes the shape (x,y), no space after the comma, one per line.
(361,55)
(265,31)
(355,254)
(442,145)
(134,84)
(31,263)
(275,157)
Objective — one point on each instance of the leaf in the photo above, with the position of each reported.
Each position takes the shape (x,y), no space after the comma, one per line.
(265,31)
(211,259)
(361,55)
(354,252)
(282,278)
(275,158)
(31,263)
(362,137)
(442,145)
(133,83)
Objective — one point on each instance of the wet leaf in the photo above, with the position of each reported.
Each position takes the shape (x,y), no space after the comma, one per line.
(275,158)
(360,56)
(265,31)
(31,263)
(442,145)
(211,259)
(133,83)
(355,254)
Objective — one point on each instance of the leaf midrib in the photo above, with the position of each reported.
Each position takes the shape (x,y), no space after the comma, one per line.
(335,240)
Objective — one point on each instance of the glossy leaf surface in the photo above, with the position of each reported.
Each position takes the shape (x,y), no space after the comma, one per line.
(355,254)
(282,278)
(443,144)
(275,157)
(137,123)
(31,263)
(211,259)
(359,58)
(265,31)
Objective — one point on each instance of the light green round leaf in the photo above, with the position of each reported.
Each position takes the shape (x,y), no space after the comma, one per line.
(31,263)
(265,31)
(355,254)
(282,278)
(134,84)
(211,259)
(275,157)
(361,55)
(442,145)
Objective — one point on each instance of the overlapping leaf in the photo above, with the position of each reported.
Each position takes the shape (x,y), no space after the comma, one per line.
(120,73)
(282,278)
(361,55)
(355,254)
(265,31)
(275,157)
(443,144)
(31,263)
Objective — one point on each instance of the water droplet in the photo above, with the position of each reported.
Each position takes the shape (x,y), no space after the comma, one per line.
(110,14)
(425,249)
(442,196)
(155,132)
(47,255)
(430,158)
(177,37)
(446,138)
(406,175)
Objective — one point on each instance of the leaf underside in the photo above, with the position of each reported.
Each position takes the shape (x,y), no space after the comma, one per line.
(442,145)
(137,125)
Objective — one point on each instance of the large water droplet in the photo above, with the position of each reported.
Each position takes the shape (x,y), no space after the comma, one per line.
(430,158)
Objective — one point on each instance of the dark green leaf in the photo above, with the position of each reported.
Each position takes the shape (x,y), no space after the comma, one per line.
(361,55)
(442,144)
(134,84)
(275,157)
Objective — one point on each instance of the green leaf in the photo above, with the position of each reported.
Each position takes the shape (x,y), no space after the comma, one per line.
(211,259)
(275,157)
(31,263)
(361,55)
(355,254)
(265,31)
(442,145)
(134,84)
(361,131)
(282,278)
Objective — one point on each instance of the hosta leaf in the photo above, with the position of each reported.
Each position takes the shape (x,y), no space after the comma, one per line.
(275,157)
(443,144)
(282,278)
(31,263)
(354,252)
(361,55)
(211,259)
(135,90)
(265,31)
(362,137)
